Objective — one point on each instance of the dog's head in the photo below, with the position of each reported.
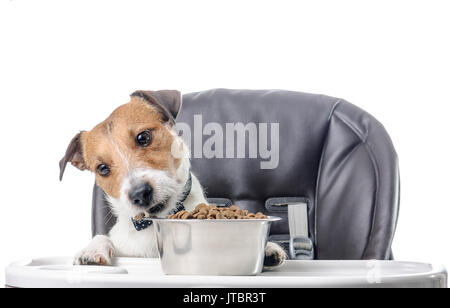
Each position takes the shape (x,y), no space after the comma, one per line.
(132,152)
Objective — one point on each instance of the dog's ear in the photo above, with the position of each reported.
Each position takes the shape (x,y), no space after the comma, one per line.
(74,155)
(167,101)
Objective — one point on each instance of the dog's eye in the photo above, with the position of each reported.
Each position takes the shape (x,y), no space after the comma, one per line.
(144,139)
(103,170)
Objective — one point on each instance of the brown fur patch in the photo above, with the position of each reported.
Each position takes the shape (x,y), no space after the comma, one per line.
(113,142)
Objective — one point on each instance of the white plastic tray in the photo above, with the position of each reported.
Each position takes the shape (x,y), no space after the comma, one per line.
(131,272)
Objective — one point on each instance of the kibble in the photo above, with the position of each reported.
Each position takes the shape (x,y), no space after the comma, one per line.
(205,211)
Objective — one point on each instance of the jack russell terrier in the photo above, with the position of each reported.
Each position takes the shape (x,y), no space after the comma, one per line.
(143,166)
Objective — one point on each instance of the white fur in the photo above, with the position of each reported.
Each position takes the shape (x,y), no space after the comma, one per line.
(99,251)
(117,149)
(275,249)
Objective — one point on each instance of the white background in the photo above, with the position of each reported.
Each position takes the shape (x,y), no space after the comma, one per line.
(65,65)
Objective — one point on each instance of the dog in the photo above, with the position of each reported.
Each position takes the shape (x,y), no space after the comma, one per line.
(143,166)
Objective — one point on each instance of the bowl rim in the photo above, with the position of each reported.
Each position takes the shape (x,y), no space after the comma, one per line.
(268,219)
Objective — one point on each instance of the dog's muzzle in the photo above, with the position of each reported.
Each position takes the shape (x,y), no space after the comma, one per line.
(143,222)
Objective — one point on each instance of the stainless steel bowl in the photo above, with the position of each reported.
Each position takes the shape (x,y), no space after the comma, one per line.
(232,247)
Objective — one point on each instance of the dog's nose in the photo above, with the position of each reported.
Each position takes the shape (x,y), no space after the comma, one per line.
(141,195)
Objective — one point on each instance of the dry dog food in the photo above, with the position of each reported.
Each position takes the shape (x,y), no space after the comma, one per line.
(205,211)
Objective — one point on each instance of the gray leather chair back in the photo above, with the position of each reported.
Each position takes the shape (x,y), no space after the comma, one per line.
(333,155)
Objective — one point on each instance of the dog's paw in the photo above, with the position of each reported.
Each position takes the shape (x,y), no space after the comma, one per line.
(275,256)
(99,252)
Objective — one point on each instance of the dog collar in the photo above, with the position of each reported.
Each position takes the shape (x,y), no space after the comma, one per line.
(144,221)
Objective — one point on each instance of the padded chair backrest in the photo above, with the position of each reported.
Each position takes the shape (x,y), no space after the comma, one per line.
(320,149)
